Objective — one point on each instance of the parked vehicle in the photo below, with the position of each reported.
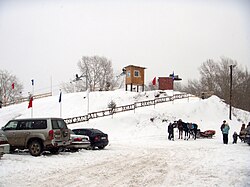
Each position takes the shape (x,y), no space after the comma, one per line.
(97,138)
(4,144)
(78,142)
(37,134)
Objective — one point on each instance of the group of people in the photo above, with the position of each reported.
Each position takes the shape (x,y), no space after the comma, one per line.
(188,129)
(242,135)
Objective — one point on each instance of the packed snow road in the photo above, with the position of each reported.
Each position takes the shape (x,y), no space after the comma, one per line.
(159,163)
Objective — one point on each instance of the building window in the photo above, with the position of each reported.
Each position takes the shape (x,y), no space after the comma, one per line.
(136,73)
(128,73)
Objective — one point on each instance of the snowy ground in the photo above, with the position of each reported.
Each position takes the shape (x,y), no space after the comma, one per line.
(139,153)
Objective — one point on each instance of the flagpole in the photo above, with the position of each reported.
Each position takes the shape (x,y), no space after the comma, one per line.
(88,102)
(51,85)
(60,101)
(60,109)
(88,105)
(173,86)
(33,93)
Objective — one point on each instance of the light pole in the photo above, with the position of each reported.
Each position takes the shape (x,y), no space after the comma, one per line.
(230,92)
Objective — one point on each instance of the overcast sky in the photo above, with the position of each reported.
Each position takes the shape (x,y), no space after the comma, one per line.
(46,38)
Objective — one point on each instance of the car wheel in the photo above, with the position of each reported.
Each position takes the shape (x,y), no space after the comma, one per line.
(88,148)
(54,150)
(101,147)
(74,150)
(35,148)
(12,149)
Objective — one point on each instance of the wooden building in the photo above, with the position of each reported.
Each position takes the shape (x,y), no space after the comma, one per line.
(134,77)
(166,83)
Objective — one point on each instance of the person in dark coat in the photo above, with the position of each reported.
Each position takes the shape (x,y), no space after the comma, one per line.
(180,128)
(171,131)
(235,137)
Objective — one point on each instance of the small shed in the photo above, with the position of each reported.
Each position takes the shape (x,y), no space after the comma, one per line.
(166,83)
(134,77)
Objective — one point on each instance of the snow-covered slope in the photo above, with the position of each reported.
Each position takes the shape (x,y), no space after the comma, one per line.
(139,153)
(208,113)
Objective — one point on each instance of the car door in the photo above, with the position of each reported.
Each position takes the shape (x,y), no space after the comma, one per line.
(22,131)
(61,130)
(10,131)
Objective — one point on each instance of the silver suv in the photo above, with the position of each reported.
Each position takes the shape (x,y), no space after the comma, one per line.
(37,134)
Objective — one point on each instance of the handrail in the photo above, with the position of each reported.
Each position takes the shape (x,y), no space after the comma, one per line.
(124,108)
(24,99)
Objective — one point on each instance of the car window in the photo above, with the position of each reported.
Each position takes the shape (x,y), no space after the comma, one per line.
(96,131)
(12,125)
(37,124)
(83,132)
(55,124)
(32,124)
(59,124)
(21,125)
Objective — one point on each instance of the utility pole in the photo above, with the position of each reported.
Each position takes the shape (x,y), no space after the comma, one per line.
(230,94)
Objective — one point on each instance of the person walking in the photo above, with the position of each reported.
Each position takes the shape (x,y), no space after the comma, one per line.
(180,128)
(225,131)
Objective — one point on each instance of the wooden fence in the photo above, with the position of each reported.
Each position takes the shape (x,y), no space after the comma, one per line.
(24,99)
(124,108)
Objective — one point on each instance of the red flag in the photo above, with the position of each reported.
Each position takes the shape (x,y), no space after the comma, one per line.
(30,102)
(13,86)
(154,81)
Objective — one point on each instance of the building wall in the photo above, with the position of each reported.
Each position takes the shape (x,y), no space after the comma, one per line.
(132,79)
(165,83)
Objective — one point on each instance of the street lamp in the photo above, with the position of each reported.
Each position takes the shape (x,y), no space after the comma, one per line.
(230,94)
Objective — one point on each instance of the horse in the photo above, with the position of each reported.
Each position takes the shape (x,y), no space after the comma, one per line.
(192,129)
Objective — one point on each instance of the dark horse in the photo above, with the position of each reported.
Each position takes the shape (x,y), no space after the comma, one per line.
(192,129)
(188,128)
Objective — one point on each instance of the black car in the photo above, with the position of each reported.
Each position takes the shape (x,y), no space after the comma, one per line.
(96,137)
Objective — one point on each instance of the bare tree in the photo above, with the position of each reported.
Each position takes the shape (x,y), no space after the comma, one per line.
(97,71)
(96,74)
(10,87)
(208,75)
(215,78)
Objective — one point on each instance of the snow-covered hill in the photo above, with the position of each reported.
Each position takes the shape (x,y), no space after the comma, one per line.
(139,153)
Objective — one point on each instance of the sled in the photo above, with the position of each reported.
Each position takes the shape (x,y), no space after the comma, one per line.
(205,134)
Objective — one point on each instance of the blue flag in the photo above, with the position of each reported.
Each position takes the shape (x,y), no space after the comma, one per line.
(32,82)
(60,97)
(173,75)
